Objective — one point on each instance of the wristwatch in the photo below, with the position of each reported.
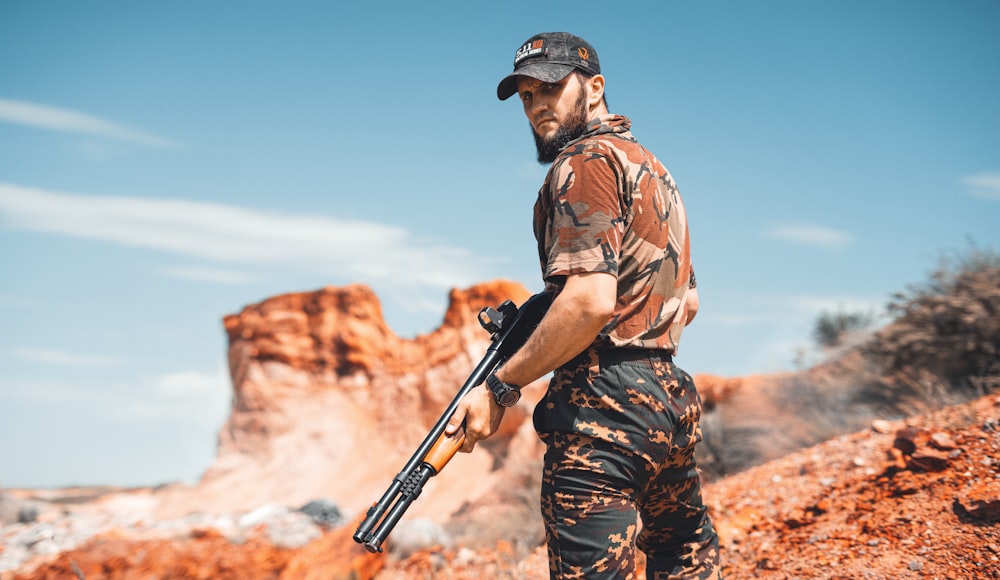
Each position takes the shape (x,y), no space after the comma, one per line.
(506,395)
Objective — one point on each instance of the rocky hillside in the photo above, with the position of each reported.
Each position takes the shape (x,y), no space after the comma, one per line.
(328,401)
(812,476)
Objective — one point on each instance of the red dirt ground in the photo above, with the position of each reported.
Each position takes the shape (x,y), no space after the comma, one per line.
(909,499)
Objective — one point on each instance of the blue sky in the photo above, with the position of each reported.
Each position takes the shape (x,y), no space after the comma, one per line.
(165,164)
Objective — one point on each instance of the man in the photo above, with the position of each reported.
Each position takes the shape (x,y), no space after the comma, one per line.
(619,419)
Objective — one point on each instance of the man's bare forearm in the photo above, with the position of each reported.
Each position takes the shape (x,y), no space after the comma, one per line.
(574,320)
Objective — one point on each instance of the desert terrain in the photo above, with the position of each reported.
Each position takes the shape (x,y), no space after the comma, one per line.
(867,465)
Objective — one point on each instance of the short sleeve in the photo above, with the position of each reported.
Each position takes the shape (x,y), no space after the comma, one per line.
(586,225)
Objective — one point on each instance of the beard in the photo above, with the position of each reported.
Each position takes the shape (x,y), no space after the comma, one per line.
(549,148)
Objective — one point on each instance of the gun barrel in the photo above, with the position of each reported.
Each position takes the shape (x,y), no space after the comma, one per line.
(411,490)
(436,448)
(379,508)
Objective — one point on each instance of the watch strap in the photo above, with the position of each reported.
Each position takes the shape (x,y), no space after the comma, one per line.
(500,389)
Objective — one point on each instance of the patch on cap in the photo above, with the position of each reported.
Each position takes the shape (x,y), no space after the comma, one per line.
(529,49)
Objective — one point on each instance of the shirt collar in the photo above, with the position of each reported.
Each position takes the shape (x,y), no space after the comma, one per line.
(603,125)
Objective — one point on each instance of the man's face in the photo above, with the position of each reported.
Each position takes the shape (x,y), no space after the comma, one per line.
(556,111)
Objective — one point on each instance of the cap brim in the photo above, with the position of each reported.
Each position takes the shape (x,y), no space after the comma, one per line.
(547,72)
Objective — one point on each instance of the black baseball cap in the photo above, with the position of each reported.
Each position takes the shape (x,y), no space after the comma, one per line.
(549,57)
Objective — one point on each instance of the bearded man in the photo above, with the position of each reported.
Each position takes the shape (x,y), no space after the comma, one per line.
(619,419)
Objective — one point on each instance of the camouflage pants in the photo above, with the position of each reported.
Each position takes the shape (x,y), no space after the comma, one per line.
(620,428)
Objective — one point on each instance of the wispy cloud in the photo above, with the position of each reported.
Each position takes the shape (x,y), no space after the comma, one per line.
(793,309)
(811,235)
(984,185)
(230,235)
(66,120)
(186,396)
(815,305)
(769,332)
(60,358)
(212,275)
(44,390)
(183,397)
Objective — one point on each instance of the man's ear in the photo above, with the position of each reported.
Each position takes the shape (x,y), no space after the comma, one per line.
(595,91)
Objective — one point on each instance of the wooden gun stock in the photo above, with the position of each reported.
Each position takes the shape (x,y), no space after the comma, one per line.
(510,327)
(443,450)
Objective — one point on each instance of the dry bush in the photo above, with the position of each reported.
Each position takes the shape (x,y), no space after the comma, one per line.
(944,342)
(832,328)
(942,347)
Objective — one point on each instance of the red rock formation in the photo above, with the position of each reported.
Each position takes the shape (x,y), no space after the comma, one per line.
(329,402)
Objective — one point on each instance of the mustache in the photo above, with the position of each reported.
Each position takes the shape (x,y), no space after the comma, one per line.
(546,117)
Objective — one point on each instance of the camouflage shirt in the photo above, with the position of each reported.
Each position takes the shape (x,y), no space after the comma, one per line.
(608,205)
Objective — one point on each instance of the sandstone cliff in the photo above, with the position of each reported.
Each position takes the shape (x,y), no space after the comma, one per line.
(329,402)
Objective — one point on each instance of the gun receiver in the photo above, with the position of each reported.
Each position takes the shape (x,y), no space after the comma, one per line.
(509,327)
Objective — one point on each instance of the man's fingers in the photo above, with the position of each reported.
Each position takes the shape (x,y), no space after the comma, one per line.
(473,415)
(472,436)
(456,420)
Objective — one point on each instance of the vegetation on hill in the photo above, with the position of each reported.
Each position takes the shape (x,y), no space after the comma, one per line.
(941,347)
(944,342)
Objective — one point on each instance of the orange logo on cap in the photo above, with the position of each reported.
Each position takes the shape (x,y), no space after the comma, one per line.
(537,44)
(582,51)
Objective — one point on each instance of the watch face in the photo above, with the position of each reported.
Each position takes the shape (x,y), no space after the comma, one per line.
(509,398)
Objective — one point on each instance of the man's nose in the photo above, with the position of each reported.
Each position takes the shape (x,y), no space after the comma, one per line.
(539,105)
